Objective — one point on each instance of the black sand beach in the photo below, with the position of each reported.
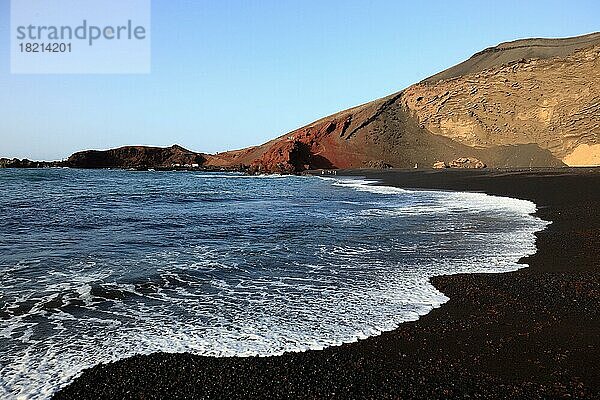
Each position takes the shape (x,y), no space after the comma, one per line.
(530,334)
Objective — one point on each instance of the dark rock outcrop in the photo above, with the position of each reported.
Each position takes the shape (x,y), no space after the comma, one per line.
(377,164)
(137,157)
(25,163)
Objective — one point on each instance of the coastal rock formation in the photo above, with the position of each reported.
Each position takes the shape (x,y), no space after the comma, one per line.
(285,157)
(25,163)
(462,162)
(137,157)
(533,102)
(376,164)
(584,155)
(466,162)
(554,103)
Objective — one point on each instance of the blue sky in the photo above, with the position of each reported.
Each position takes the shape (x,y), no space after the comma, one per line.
(229,74)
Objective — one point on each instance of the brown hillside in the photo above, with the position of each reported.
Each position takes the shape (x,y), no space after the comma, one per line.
(554,103)
(523,49)
(533,102)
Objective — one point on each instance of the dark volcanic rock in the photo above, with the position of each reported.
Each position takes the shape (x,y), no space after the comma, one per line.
(25,163)
(377,164)
(138,157)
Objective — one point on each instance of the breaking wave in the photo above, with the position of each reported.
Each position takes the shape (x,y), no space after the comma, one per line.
(96,266)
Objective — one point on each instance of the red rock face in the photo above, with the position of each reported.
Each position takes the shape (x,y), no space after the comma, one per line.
(311,147)
(286,157)
(332,142)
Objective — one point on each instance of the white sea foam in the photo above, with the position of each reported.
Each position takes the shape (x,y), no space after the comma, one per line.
(236,175)
(204,301)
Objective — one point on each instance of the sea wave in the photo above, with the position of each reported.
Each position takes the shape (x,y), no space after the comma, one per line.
(306,265)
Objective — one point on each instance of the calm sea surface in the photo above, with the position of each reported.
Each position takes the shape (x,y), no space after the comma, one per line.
(96,266)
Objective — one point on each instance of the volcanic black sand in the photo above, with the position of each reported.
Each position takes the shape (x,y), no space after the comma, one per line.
(530,334)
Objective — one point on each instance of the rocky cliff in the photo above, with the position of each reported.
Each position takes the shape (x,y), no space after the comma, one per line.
(25,163)
(553,102)
(138,157)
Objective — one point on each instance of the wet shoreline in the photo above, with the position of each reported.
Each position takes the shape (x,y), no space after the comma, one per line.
(526,334)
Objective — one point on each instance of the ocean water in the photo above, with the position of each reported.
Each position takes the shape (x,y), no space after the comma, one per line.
(96,266)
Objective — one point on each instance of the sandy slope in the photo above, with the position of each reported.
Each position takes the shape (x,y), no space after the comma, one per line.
(525,103)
